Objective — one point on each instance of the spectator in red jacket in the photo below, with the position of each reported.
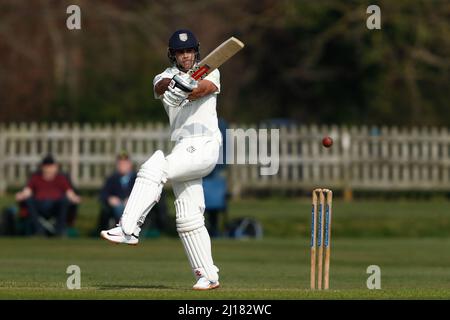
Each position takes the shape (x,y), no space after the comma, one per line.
(48,194)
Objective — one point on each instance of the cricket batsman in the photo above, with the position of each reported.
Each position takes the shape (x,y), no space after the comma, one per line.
(191,108)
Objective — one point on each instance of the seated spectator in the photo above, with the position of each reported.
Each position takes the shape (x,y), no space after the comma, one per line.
(48,194)
(115,193)
(116,190)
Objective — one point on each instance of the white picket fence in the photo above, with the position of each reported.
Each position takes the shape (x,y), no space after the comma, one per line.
(362,158)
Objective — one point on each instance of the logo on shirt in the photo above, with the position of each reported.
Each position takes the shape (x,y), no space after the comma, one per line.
(183,36)
(190,149)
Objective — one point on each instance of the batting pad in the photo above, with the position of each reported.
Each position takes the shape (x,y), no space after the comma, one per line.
(145,194)
(195,238)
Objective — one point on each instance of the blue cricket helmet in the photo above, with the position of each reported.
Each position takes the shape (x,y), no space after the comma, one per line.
(183,39)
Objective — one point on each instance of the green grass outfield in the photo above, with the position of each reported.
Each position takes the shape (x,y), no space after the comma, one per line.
(290,217)
(254,269)
(408,239)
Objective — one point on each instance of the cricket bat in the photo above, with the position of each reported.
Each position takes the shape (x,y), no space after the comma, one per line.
(216,58)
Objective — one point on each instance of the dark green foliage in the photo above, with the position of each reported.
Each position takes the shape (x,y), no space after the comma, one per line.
(311,61)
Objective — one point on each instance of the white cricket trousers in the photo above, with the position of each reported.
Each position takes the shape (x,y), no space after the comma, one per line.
(190,160)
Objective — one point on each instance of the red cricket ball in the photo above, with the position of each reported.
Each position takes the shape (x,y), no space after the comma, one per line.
(327,142)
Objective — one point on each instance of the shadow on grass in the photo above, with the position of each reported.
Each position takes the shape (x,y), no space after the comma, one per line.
(132,286)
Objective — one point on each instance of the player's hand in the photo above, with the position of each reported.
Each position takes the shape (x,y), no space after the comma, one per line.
(180,87)
(174,97)
(184,82)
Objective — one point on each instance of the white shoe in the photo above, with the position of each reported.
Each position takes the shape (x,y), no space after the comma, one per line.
(116,235)
(205,284)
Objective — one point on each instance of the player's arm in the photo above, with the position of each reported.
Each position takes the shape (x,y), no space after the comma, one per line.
(204,88)
(162,85)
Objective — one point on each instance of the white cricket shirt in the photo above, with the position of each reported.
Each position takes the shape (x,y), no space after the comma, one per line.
(196,118)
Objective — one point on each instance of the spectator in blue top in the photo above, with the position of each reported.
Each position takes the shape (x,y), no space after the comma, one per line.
(114,196)
(116,190)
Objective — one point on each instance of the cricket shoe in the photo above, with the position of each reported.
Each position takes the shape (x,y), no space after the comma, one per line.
(116,235)
(205,284)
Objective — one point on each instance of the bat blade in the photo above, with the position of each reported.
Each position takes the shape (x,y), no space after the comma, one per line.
(217,57)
